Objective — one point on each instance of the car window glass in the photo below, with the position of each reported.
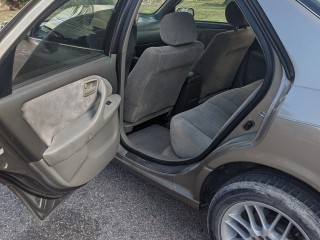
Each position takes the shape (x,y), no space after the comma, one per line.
(72,34)
(313,5)
(206,10)
(150,6)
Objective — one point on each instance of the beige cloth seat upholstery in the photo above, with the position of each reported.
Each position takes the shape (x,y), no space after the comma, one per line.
(193,131)
(155,82)
(221,60)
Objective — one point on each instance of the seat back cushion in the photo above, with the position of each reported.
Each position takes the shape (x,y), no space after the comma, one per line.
(154,84)
(220,61)
(156,81)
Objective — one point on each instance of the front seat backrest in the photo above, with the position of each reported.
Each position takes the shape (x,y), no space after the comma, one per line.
(155,82)
(131,48)
(220,61)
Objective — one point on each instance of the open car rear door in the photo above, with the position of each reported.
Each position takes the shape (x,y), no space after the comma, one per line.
(59,123)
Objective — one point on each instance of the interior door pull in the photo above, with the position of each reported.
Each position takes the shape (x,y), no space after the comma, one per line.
(90,87)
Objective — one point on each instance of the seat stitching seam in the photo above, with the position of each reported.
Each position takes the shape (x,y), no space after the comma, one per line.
(228,100)
(209,119)
(197,128)
(220,109)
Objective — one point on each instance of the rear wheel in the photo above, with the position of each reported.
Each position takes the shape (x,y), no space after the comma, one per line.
(264,206)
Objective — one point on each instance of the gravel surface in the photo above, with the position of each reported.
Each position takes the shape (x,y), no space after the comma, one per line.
(115,205)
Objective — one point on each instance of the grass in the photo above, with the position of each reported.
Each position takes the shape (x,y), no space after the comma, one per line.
(150,7)
(205,10)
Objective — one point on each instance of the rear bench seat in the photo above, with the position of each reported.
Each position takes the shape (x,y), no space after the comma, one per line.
(193,131)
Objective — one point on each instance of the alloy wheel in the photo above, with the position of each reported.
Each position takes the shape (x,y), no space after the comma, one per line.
(258,221)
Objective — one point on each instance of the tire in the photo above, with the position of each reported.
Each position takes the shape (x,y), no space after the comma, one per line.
(271,199)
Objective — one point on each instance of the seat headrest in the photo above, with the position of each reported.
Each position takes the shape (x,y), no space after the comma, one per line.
(234,15)
(178,28)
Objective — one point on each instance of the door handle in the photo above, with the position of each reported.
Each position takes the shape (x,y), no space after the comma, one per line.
(90,87)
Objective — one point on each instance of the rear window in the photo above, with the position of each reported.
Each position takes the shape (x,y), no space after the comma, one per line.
(312,5)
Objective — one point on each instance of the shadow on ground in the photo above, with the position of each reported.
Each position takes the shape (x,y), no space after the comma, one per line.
(115,205)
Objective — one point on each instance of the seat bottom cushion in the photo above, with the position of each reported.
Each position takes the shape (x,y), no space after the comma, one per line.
(193,131)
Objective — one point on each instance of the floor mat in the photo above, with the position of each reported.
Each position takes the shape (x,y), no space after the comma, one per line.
(154,139)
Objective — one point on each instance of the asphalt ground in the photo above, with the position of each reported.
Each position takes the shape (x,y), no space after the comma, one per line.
(115,205)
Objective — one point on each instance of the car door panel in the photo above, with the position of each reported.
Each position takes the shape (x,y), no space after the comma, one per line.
(51,112)
(59,121)
(81,167)
(11,119)
(69,128)
(70,131)
(76,156)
